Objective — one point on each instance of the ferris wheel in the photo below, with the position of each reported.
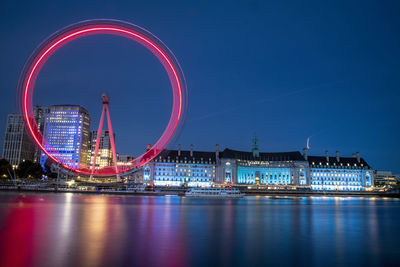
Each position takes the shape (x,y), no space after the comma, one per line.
(82,29)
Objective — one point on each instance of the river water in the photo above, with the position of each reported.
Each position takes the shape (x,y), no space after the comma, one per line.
(66,229)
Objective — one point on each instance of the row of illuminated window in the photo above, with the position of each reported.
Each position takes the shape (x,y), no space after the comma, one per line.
(335,183)
(267,164)
(270,175)
(185,161)
(194,166)
(62,129)
(63,122)
(243,181)
(182,166)
(184,170)
(58,132)
(335,187)
(336,179)
(338,171)
(320,174)
(264,179)
(341,165)
(185,174)
(181,179)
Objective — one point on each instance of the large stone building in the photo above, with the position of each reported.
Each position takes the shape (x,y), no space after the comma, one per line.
(339,173)
(266,170)
(182,167)
(248,168)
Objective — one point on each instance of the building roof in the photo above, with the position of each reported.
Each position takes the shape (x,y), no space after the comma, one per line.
(69,106)
(351,161)
(271,156)
(197,155)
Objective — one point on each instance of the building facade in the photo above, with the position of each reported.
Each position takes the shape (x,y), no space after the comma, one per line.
(18,146)
(181,168)
(66,131)
(386,178)
(104,156)
(340,173)
(279,170)
(124,160)
(203,169)
(40,113)
(250,168)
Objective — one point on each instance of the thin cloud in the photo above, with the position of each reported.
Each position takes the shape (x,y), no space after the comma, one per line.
(263,100)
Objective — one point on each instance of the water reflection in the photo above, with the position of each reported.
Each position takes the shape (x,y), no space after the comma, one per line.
(105,230)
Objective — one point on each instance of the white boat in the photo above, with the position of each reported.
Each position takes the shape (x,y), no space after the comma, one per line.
(214,192)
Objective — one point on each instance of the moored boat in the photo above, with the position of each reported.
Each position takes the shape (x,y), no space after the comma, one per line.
(214,192)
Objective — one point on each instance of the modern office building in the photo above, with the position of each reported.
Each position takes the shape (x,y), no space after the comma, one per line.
(18,145)
(386,178)
(339,173)
(40,113)
(67,130)
(124,160)
(104,156)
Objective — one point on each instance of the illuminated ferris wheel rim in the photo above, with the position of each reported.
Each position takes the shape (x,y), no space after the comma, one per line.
(93,27)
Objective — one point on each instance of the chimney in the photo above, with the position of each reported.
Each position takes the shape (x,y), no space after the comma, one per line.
(305,153)
(216,151)
(358,157)
(256,152)
(191,150)
(179,150)
(337,156)
(148,147)
(327,155)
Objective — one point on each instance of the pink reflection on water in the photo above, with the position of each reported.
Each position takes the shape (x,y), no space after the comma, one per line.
(18,232)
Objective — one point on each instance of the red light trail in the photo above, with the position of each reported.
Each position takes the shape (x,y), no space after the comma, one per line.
(114,27)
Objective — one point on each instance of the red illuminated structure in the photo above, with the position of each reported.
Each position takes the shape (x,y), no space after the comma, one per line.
(106,101)
(114,27)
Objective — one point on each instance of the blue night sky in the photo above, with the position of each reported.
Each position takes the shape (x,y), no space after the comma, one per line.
(285,70)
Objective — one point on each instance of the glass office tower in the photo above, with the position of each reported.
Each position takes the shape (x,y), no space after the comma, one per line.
(66,131)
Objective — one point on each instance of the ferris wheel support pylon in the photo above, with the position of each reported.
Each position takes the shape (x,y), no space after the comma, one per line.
(111,134)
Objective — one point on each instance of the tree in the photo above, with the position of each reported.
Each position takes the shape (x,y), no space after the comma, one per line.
(47,169)
(29,169)
(5,168)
